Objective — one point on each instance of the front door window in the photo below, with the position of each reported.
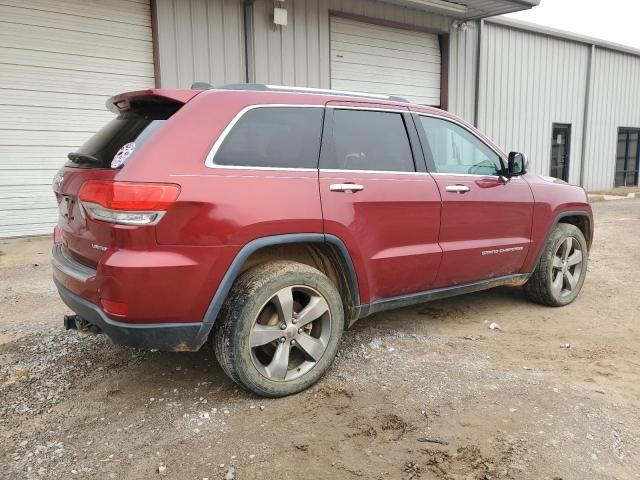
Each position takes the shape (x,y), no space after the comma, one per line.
(454,150)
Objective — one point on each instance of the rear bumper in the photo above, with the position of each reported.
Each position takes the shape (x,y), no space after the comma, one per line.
(176,337)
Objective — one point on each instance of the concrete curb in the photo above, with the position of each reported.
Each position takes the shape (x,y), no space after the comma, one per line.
(600,198)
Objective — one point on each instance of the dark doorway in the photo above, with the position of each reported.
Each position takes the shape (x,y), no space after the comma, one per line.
(560,150)
(628,157)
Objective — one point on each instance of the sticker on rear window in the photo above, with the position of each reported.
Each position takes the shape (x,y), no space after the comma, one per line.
(122,155)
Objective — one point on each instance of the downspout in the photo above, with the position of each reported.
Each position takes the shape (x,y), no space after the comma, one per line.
(587,111)
(154,43)
(249,60)
(476,106)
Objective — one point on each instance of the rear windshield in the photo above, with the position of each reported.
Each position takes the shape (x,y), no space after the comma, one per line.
(121,136)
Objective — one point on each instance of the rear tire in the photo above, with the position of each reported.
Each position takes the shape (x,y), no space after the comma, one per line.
(562,268)
(279,329)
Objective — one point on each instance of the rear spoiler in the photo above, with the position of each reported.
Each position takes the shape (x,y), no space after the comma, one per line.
(153,97)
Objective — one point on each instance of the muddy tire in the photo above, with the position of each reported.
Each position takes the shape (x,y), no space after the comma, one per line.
(279,329)
(562,268)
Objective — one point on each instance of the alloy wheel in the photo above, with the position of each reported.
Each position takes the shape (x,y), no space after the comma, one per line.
(567,267)
(291,333)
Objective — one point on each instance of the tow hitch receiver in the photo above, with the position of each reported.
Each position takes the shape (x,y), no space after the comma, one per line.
(76,322)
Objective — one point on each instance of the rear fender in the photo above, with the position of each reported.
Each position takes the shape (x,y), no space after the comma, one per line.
(252,247)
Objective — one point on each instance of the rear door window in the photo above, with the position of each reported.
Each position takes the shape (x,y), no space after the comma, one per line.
(274,137)
(368,140)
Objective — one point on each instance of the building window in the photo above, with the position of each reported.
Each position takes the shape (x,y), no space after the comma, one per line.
(560,151)
(628,157)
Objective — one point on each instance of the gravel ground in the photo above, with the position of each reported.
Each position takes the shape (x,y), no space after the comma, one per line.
(509,404)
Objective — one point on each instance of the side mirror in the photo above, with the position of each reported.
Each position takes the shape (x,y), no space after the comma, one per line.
(518,164)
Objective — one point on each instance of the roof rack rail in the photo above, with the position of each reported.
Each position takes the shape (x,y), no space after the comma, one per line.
(283,88)
(201,86)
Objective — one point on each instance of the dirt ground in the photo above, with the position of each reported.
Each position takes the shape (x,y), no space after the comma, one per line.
(509,405)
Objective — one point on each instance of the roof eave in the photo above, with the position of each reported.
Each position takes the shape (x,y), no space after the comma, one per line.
(505,6)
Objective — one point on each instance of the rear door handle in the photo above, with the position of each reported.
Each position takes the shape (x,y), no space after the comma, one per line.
(345,187)
(457,188)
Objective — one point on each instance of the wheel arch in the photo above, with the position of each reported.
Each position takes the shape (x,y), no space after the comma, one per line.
(327,253)
(579,218)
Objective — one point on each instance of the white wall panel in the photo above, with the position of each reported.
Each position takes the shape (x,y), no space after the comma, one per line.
(59,62)
(384,60)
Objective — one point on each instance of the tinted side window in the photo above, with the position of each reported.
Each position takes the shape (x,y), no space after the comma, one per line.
(456,150)
(369,140)
(283,137)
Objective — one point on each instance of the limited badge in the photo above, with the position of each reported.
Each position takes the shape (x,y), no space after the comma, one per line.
(122,155)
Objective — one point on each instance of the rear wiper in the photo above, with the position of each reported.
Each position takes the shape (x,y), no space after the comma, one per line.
(77,157)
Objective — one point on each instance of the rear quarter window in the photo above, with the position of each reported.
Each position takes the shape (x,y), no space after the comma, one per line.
(276,137)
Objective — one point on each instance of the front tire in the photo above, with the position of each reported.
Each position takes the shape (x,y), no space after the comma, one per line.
(279,329)
(560,273)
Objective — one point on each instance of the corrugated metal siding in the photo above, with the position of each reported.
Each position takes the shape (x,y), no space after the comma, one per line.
(615,102)
(530,81)
(463,66)
(298,54)
(200,41)
(384,60)
(59,62)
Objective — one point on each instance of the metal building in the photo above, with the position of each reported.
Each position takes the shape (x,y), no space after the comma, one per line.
(570,102)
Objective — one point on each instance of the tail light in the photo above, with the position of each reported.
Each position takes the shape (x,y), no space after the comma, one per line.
(127,203)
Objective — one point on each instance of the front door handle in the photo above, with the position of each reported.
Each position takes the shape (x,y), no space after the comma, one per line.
(345,187)
(457,188)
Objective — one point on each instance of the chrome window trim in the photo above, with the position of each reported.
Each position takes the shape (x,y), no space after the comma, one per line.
(267,169)
(447,119)
(473,175)
(209,161)
(294,174)
(395,172)
(442,174)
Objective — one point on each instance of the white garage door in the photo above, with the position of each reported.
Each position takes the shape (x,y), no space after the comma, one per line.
(384,60)
(59,62)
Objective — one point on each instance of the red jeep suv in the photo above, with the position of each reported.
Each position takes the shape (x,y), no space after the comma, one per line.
(269,218)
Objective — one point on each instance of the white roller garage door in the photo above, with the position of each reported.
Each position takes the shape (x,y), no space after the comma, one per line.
(384,60)
(59,61)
